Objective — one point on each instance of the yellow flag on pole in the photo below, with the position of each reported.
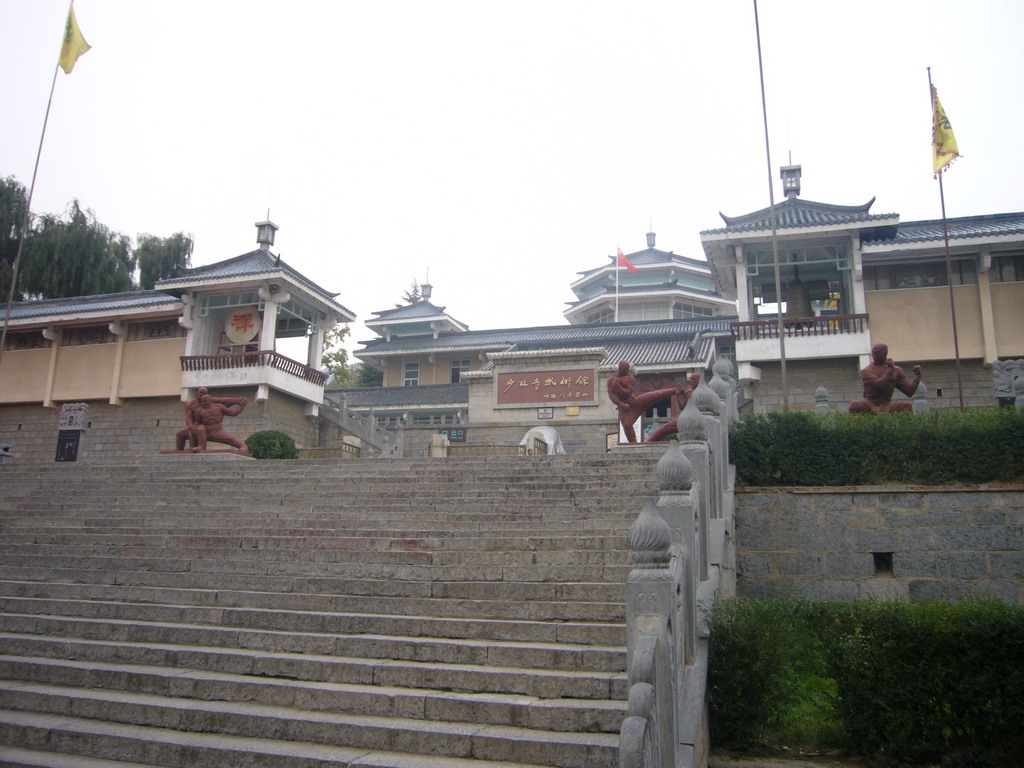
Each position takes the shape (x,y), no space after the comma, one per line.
(74,44)
(944,149)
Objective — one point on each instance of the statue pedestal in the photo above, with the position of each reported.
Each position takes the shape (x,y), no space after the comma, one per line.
(228,454)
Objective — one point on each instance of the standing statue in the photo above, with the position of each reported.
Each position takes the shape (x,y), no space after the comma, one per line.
(880,379)
(631,405)
(204,421)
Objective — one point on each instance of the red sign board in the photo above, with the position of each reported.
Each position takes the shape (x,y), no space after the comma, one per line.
(547,387)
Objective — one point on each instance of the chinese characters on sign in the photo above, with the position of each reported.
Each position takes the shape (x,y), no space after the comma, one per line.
(243,325)
(547,387)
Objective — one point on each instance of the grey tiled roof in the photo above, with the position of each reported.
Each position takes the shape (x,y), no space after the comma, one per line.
(796,213)
(396,397)
(639,290)
(552,337)
(78,305)
(650,256)
(419,311)
(962,227)
(258,262)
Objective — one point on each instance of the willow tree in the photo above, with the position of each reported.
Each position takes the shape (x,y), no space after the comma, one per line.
(13,199)
(161,257)
(75,255)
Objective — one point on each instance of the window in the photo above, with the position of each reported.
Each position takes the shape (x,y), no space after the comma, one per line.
(459,367)
(644,310)
(927,274)
(680,310)
(26,340)
(93,334)
(603,316)
(411,375)
(1008,269)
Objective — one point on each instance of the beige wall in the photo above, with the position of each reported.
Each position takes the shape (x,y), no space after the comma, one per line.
(151,368)
(84,373)
(23,375)
(1008,316)
(438,372)
(915,322)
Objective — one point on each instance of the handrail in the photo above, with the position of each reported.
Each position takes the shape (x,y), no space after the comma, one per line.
(795,327)
(259,359)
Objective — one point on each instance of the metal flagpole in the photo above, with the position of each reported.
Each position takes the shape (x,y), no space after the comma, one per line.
(949,262)
(25,221)
(780,326)
(617,267)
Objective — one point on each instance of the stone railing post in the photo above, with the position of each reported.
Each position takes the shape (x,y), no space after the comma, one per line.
(821,406)
(711,407)
(920,400)
(647,739)
(678,505)
(693,443)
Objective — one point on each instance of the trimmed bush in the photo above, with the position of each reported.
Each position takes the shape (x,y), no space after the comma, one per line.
(271,444)
(919,684)
(934,448)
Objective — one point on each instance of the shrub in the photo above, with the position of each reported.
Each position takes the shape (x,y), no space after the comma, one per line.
(938,447)
(271,444)
(924,683)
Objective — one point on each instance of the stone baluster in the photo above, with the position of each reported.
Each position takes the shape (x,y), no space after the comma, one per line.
(920,399)
(693,443)
(711,406)
(821,406)
(678,505)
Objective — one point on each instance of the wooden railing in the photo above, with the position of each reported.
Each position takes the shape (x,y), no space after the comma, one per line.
(795,327)
(258,359)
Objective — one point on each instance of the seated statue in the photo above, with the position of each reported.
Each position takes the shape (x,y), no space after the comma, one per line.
(880,379)
(631,405)
(204,421)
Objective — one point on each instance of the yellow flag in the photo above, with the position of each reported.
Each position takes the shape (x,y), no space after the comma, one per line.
(74,44)
(944,150)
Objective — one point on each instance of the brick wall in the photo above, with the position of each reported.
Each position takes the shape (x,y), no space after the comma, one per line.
(942,543)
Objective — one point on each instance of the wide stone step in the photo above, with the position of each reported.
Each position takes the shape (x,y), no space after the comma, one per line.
(16,757)
(246,719)
(332,622)
(562,714)
(214,573)
(513,608)
(145,746)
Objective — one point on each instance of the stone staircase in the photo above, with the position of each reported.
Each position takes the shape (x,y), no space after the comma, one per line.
(388,613)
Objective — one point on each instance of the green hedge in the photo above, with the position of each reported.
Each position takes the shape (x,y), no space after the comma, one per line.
(271,444)
(919,684)
(934,448)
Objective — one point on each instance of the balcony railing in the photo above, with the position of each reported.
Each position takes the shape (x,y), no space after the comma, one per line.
(826,325)
(260,359)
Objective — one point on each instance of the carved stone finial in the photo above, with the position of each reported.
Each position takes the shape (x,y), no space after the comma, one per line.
(706,399)
(821,400)
(675,472)
(691,423)
(720,387)
(723,368)
(919,402)
(649,538)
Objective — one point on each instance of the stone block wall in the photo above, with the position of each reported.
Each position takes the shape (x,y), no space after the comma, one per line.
(884,542)
(841,377)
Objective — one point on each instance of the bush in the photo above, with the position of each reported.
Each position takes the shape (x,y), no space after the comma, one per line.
(271,444)
(925,683)
(934,448)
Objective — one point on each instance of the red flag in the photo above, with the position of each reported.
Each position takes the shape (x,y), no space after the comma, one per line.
(624,262)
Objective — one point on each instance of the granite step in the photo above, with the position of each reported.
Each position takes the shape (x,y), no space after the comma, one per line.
(448,739)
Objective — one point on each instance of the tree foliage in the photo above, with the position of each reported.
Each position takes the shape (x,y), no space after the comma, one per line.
(412,295)
(335,357)
(368,376)
(161,257)
(75,255)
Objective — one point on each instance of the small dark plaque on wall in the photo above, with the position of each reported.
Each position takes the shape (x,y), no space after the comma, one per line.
(454,434)
(69,443)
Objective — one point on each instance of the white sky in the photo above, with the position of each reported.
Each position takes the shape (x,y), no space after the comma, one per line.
(504,146)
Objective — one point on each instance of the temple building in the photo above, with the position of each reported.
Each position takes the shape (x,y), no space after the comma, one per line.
(851,278)
(134,357)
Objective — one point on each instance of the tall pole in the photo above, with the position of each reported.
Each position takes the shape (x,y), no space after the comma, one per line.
(949,263)
(780,326)
(25,221)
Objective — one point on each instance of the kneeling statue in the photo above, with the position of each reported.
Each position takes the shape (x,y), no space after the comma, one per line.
(880,379)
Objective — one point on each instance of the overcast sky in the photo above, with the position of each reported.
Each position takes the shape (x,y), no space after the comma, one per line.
(502,146)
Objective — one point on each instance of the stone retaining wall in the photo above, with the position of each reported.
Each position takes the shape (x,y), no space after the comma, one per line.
(915,543)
